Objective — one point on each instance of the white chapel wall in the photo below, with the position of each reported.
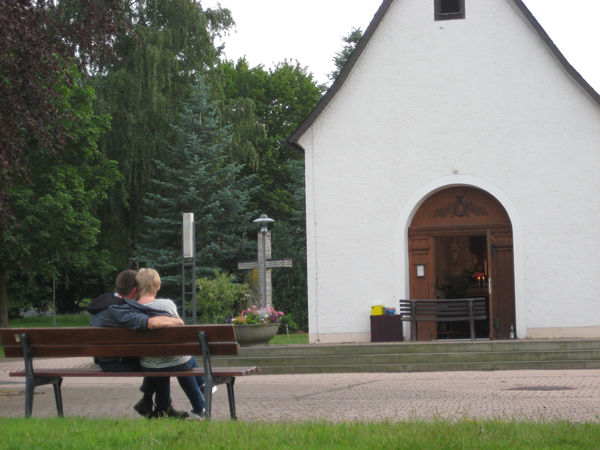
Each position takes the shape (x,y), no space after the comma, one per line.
(480,100)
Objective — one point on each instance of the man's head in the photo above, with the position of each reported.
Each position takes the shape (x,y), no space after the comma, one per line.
(125,284)
(148,282)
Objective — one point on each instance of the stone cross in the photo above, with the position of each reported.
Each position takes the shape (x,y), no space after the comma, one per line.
(264,264)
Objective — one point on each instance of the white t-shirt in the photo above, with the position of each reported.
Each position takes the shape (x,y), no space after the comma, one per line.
(159,362)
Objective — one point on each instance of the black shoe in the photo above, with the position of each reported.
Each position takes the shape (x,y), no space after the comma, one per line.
(170,412)
(144,407)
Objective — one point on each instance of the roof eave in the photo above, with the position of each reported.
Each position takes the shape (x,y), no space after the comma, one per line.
(557,53)
(341,78)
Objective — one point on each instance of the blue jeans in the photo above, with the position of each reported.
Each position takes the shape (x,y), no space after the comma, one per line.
(189,385)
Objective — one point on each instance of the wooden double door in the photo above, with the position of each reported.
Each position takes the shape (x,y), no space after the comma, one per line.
(460,245)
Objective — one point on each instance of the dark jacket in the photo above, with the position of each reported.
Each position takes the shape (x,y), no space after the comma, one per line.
(129,314)
(103,301)
(123,314)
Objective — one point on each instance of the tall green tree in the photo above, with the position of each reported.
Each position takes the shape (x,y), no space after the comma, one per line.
(281,98)
(289,240)
(195,175)
(341,58)
(168,44)
(38,46)
(54,227)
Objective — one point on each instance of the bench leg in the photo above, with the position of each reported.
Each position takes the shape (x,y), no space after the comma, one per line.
(471,321)
(29,391)
(31,382)
(472,326)
(209,383)
(231,398)
(58,397)
(208,386)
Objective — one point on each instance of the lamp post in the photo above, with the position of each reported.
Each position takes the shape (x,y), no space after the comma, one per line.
(264,222)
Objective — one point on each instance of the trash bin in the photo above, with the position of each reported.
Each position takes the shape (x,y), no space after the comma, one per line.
(386,328)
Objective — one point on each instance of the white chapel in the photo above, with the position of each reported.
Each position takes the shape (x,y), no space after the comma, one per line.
(456,155)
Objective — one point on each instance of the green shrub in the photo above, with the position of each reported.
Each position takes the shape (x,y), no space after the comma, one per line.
(289,321)
(219,298)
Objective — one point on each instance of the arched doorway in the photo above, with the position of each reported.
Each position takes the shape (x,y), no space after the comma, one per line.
(460,245)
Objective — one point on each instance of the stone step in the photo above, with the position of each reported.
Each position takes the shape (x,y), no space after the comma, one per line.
(433,367)
(417,357)
(420,347)
(405,358)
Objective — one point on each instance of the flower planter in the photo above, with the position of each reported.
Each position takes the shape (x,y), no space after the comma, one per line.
(255,334)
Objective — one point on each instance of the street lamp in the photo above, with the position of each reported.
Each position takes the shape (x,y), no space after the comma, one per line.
(263,220)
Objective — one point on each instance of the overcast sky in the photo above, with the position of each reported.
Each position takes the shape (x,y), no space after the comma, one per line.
(311,31)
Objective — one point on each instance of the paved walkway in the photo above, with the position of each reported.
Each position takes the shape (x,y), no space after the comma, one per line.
(572,395)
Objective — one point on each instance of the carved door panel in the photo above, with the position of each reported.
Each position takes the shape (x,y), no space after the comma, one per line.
(422,279)
(503,285)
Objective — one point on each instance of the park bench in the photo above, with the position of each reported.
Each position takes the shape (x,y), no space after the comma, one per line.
(205,340)
(443,310)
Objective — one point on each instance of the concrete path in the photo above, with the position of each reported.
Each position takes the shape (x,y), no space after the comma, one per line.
(537,395)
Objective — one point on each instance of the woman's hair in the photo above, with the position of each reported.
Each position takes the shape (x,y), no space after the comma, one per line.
(148,282)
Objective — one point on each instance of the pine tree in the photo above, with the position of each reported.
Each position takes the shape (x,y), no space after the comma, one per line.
(341,58)
(195,175)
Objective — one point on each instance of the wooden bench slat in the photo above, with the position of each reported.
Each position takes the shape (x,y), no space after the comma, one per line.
(448,319)
(447,312)
(96,372)
(124,350)
(99,335)
(171,341)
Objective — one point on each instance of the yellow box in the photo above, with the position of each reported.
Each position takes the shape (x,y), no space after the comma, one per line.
(377,310)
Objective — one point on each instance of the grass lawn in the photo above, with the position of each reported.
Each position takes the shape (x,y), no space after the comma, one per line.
(296,338)
(62,320)
(167,433)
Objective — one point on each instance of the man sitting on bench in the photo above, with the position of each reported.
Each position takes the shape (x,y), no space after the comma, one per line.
(116,309)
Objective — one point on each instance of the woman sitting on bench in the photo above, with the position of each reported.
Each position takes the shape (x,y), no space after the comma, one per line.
(148,284)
